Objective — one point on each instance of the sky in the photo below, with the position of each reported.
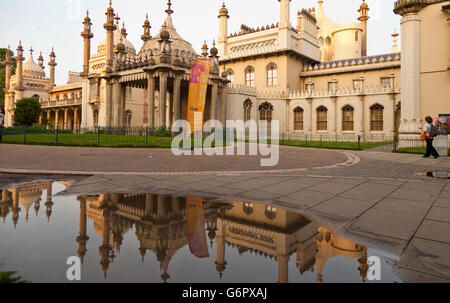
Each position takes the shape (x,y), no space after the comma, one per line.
(44,24)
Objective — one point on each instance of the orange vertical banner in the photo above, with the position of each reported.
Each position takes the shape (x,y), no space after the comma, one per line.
(196,231)
(198,86)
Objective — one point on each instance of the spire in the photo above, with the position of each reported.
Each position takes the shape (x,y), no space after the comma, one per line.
(205,50)
(169,11)
(31,51)
(124,31)
(117,18)
(395,46)
(146,36)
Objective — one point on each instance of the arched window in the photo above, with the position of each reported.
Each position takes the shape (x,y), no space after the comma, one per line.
(298,118)
(322,118)
(265,112)
(230,75)
(127,118)
(36,97)
(347,118)
(247,109)
(376,117)
(250,76)
(271,212)
(95,117)
(248,208)
(271,74)
(328,40)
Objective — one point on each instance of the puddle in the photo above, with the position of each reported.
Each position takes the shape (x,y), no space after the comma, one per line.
(437,175)
(150,238)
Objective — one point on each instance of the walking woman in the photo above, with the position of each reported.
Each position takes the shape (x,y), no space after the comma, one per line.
(429,138)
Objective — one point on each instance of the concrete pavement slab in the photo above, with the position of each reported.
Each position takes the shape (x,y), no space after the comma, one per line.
(434,230)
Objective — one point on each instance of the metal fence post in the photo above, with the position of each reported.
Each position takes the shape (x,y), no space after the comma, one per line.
(359,142)
(25,135)
(56,135)
(395,144)
(98,136)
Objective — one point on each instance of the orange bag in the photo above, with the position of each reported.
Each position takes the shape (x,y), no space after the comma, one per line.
(423,136)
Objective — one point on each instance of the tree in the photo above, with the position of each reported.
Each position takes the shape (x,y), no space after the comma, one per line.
(27,112)
(3,75)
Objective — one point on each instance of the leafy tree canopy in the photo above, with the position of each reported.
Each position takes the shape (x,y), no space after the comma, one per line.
(27,112)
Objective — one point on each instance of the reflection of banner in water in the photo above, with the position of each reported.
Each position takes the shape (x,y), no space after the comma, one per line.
(198,87)
(196,231)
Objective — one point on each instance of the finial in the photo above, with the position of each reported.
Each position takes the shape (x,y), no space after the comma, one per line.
(169,11)
(31,51)
(117,18)
(87,13)
(320,2)
(110,3)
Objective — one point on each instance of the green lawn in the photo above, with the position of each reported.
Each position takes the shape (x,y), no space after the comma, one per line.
(333,144)
(90,140)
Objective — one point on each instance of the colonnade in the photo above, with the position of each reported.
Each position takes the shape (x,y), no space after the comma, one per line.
(63,118)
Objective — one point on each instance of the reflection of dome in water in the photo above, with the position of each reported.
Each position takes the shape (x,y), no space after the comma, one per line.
(28,197)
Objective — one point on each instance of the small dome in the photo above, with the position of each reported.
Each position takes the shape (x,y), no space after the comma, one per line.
(33,70)
(223,11)
(164,35)
(364,5)
(214,51)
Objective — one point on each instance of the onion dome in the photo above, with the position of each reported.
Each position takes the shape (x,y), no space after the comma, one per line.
(31,69)
(223,11)
(364,5)
(164,35)
(185,50)
(214,51)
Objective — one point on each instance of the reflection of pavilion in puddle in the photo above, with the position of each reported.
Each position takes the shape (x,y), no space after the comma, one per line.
(25,196)
(161,222)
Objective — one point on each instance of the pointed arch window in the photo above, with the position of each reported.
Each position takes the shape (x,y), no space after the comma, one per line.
(376,117)
(271,212)
(265,112)
(271,74)
(322,118)
(298,118)
(348,118)
(248,208)
(250,76)
(247,109)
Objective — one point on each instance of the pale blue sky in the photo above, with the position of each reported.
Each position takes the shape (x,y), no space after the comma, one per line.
(46,23)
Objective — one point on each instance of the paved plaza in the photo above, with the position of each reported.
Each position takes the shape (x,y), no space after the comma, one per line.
(381,200)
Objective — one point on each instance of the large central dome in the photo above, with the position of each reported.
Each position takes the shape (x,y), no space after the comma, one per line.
(180,47)
(129,47)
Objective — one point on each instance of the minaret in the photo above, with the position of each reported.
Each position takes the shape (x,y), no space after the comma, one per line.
(110,28)
(205,50)
(363,17)
(223,30)
(220,240)
(87,36)
(395,46)
(41,61)
(82,238)
(284,29)
(49,204)
(146,36)
(52,65)
(8,63)
(19,69)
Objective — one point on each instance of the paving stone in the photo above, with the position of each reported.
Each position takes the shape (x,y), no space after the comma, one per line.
(434,230)
(259,195)
(344,208)
(426,256)
(255,183)
(417,195)
(412,276)
(331,187)
(439,214)
(306,198)
(387,223)
(369,191)
(430,187)
(285,188)
(445,194)
(404,206)
(442,203)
